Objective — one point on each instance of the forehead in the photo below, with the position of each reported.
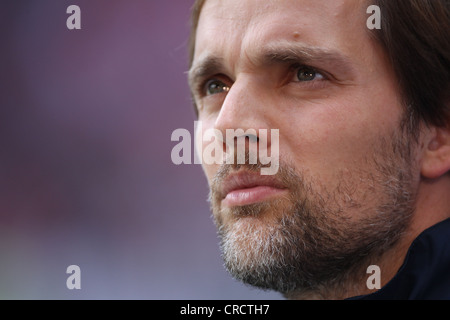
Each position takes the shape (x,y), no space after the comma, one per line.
(237,28)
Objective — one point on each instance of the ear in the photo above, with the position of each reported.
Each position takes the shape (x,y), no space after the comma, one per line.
(436,153)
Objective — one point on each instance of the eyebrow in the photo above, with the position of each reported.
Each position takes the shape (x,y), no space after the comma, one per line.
(282,52)
(205,67)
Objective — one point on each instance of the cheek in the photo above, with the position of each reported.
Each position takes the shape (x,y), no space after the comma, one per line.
(201,144)
(329,138)
(210,170)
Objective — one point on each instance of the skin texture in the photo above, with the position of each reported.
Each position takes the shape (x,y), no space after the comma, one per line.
(351,175)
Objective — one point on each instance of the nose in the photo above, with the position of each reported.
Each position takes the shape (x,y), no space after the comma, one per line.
(244,120)
(245,111)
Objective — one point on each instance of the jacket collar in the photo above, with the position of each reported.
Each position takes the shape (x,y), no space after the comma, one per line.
(425,272)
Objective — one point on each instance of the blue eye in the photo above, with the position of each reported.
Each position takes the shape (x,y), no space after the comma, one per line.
(215,87)
(308,74)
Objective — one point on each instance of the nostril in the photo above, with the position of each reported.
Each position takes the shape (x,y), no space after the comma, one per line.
(252,137)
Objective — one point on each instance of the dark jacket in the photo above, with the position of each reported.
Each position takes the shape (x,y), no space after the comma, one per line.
(425,273)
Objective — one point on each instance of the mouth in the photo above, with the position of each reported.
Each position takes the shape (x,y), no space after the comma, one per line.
(244,188)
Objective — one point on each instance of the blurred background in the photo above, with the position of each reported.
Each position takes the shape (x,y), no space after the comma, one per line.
(86,177)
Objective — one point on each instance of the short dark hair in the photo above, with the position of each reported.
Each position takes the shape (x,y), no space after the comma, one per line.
(415,35)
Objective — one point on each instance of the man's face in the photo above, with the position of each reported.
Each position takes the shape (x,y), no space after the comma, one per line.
(347,176)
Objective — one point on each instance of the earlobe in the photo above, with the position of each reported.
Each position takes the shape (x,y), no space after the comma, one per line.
(436,154)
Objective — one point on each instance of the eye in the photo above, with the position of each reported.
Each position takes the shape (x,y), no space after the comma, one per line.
(305,74)
(215,86)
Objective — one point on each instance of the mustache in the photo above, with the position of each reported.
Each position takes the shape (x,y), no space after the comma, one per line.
(250,162)
(286,176)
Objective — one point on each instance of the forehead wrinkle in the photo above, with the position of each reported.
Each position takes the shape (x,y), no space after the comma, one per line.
(248,57)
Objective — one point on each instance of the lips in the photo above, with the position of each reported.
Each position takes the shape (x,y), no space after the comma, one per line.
(244,188)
